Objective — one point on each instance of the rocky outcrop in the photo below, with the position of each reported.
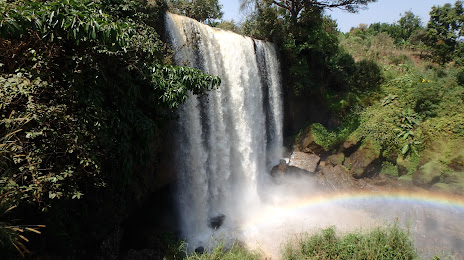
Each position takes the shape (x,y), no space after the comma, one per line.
(457,163)
(403,164)
(305,161)
(335,178)
(335,159)
(280,169)
(428,174)
(304,164)
(358,163)
(306,143)
(452,182)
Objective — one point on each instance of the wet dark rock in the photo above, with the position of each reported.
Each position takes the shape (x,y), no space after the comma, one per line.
(216,222)
(200,250)
(280,169)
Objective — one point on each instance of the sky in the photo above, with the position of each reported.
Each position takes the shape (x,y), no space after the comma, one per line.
(382,11)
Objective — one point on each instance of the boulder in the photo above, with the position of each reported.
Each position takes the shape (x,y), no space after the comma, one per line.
(280,169)
(457,163)
(351,144)
(217,221)
(428,174)
(335,159)
(455,180)
(306,143)
(305,161)
(441,187)
(359,161)
(336,178)
(200,250)
(405,178)
(402,164)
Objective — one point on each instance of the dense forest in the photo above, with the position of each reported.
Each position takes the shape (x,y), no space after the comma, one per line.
(88,88)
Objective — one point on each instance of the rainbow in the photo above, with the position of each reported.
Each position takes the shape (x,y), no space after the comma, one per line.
(424,198)
(393,197)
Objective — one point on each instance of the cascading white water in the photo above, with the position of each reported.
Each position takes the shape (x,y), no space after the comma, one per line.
(228,139)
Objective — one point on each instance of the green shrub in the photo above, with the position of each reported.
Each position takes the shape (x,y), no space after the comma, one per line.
(389,169)
(368,75)
(330,138)
(399,59)
(428,97)
(175,250)
(460,77)
(380,243)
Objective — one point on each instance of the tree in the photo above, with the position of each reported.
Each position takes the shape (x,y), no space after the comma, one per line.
(84,95)
(205,11)
(401,31)
(409,23)
(444,29)
(314,65)
(294,7)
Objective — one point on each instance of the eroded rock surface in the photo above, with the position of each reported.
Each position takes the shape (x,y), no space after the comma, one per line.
(358,163)
(305,161)
(307,144)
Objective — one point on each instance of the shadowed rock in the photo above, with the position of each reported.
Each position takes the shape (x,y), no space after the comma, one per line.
(200,250)
(216,222)
(358,163)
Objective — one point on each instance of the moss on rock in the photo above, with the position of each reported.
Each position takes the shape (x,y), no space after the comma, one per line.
(428,174)
(362,158)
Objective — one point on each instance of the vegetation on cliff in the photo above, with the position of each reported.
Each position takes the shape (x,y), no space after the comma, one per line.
(414,118)
(85,89)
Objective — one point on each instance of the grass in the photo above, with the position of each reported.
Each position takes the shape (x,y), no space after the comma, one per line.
(176,249)
(236,252)
(389,242)
(381,243)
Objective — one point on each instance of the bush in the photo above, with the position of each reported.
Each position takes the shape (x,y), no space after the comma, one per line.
(381,243)
(428,97)
(368,75)
(460,77)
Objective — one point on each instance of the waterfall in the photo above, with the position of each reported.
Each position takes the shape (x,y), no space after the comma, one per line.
(228,139)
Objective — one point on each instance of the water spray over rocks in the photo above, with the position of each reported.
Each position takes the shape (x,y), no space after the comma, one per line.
(231,185)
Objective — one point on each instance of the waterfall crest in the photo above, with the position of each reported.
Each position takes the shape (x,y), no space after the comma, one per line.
(228,139)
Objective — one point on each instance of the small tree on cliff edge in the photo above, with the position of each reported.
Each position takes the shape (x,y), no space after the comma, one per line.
(205,11)
(294,7)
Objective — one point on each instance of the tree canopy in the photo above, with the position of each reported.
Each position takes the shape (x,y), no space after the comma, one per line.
(445,29)
(85,90)
(294,7)
(205,11)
